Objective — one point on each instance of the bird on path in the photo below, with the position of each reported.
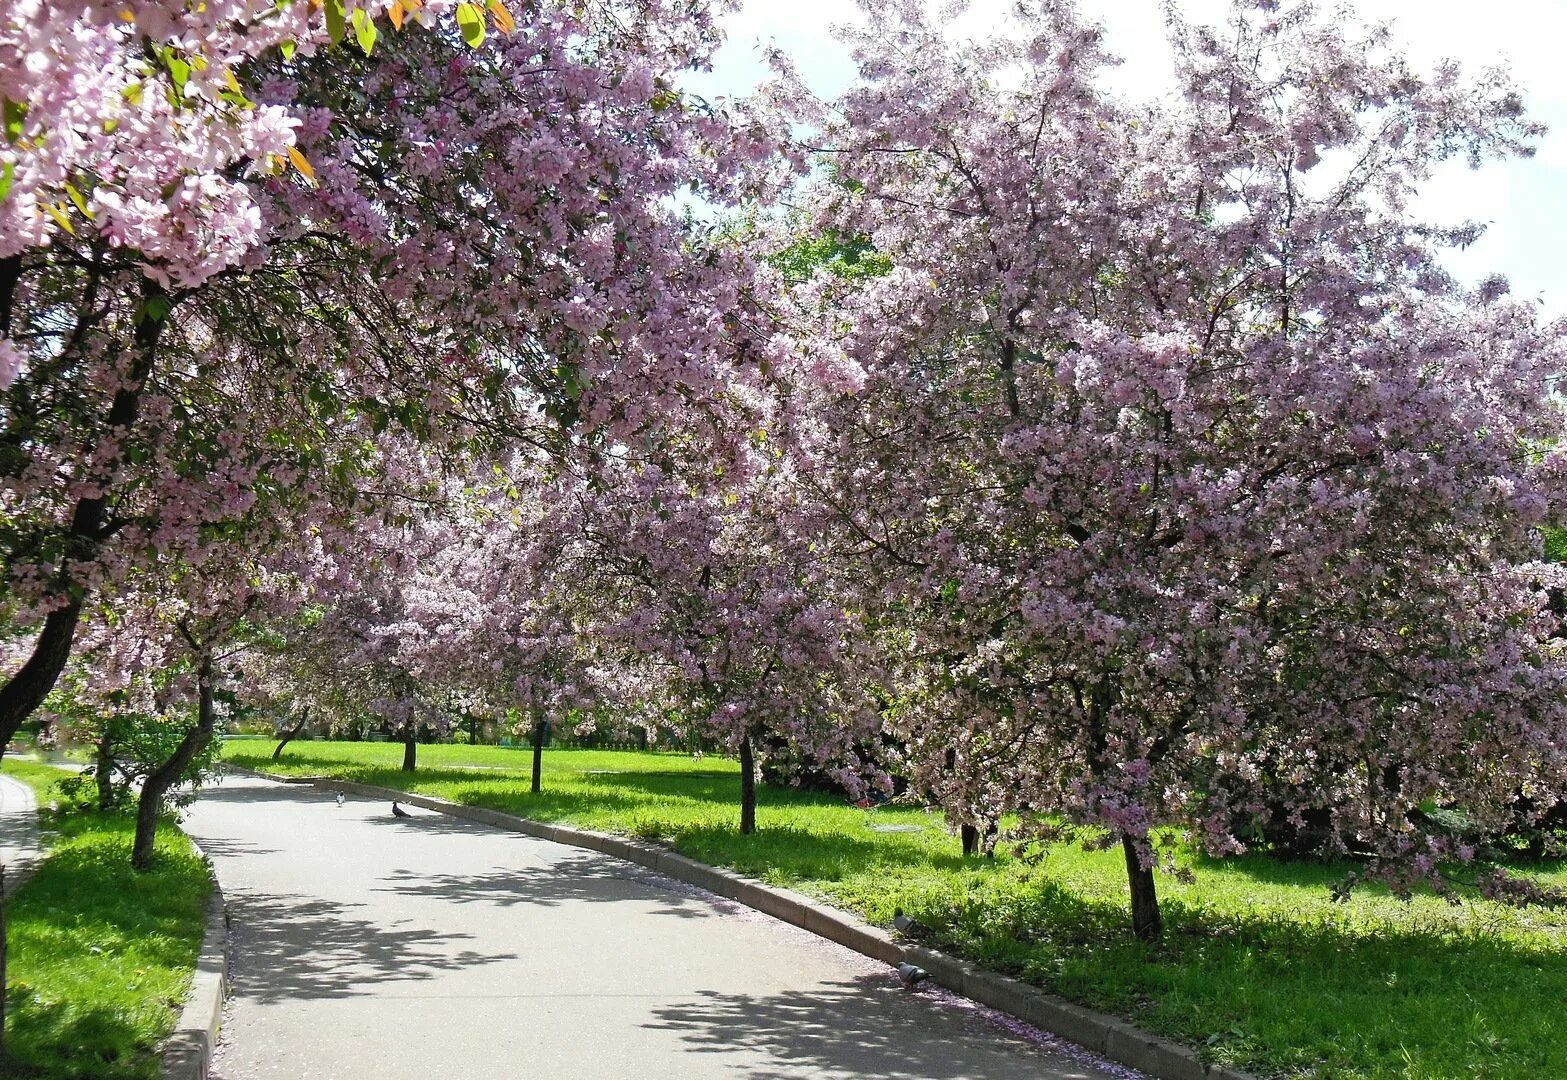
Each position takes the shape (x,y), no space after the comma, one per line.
(911,975)
(398,811)
(340,798)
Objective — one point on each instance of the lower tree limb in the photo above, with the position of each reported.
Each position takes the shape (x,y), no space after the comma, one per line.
(103,772)
(410,748)
(1147,922)
(165,776)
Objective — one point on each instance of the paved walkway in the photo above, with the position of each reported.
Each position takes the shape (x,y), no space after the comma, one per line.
(364,946)
(20,851)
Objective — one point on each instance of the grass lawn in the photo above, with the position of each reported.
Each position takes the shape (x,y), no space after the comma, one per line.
(100,956)
(1260,969)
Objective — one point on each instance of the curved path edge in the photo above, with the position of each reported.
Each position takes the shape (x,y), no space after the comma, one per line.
(21,846)
(187,1052)
(1102,1033)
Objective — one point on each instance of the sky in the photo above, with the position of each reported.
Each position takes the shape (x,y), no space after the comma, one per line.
(1524,202)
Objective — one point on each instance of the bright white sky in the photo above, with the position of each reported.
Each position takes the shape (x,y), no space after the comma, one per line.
(1524,202)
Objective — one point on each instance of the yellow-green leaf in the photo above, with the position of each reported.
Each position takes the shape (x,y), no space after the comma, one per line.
(336,20)
(302,164)
(364,30)
(470,23)
(57,212)
(79,199)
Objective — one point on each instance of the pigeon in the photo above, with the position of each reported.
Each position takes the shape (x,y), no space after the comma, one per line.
(398,811)
(911,975)
(903,924)
(340,798)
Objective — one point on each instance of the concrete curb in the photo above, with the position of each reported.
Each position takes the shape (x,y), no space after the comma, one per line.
(1102,1033)
(187,1052)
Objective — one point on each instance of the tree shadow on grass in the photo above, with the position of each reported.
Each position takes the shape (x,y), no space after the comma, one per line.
(812,855)
(286,948)
(63,1039)
(573,880)
(862,1027)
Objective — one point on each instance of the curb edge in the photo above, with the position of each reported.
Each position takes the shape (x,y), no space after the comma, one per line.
(187,1052)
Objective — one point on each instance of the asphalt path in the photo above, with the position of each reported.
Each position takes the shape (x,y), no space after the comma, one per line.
(367,947)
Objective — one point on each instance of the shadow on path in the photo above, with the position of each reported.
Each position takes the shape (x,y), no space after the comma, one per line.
(582,880)
(292,947)
(862,1027)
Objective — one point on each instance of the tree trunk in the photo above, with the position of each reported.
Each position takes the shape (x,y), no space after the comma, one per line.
(291,734)
(103,767)
(410,748)
(747,787)
(473,730)
(25,690)
(166,775)
(970,840)
(540,728)
(1147,923)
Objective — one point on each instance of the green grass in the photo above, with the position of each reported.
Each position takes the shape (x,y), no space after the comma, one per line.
(100,956)
(1260,969)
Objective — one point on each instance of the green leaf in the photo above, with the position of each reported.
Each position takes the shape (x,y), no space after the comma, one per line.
(179,71)
(364,30)
(7,174)
(288,49)
(470,22)
(336,20)
(155,308)
(14,113)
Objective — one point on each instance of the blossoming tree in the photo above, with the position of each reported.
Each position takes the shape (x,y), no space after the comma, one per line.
(1205,495)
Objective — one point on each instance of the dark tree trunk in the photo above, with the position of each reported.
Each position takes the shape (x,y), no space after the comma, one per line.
(1147,923)
(103,767)
(410,748)
(24,691)
(473,730)
(166,775)
(540,729)
(747,787)
(291,734)
(976,842)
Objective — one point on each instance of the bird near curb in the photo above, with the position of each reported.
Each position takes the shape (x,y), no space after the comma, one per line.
(903,924)
(340,798)
(398,811)
(911,975)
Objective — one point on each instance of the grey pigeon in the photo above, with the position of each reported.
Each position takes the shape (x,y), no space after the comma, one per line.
(911,975)
(903,924)
(398,811)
